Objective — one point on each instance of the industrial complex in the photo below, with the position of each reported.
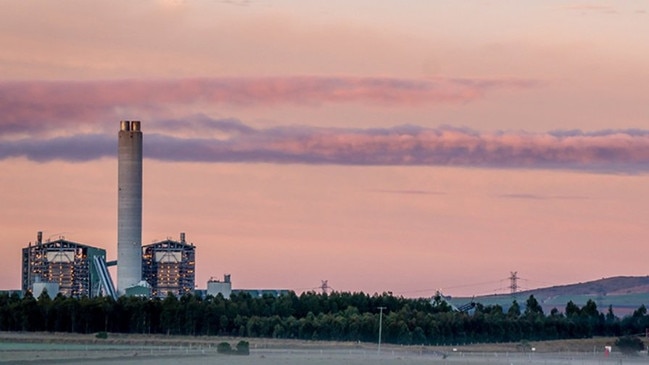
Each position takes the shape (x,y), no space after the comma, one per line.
(75,269)
(154,270)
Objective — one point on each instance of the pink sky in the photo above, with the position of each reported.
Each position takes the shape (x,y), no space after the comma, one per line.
(402,146)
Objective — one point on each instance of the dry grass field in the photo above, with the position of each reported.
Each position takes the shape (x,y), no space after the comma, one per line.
(65,348)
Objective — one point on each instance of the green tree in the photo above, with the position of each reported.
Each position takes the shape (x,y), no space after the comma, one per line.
(590,309)
(440,304)
(169,316)
(533,308)
(30,314)
(572,309)
(640,312)
(514,310)
(45,306)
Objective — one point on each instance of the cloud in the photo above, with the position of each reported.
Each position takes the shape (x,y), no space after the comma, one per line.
(236,2)
(623,151)
(542,197)
(585,8)
(39,106)
(77,148)
(202,123)
(410,192)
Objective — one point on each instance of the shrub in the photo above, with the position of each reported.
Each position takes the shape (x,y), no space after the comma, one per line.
(629,344)
(224,348)
(243,348)
(524,345)
(102,335)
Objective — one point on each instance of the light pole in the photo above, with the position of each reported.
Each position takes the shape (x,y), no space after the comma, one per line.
(380,326)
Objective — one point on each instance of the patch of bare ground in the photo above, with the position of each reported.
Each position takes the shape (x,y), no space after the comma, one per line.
(171,340)
(553,346)
(640,289)
(124,348)
(579,345)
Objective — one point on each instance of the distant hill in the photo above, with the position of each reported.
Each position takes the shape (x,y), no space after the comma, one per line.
(618,285)
(623,293)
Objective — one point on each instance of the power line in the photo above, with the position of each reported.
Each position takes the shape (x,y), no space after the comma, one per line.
(512,287)
(451,287)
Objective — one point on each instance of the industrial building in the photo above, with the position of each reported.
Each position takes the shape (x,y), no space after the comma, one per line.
(69,265)
(216,287)
(260,293)
(224,288)
(169,267)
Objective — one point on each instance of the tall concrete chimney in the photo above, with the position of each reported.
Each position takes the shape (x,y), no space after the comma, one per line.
(129,206)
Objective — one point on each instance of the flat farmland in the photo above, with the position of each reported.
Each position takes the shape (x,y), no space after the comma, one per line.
(47,348)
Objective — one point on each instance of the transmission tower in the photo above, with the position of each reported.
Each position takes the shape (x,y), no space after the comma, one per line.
(325,286)
(513,282)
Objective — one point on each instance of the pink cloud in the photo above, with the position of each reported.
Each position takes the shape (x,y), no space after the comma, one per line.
(39,105)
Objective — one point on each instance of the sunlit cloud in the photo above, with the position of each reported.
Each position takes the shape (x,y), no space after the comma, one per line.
(624,151)
(38,106)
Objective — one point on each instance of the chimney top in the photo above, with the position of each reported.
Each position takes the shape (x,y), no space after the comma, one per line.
(126,125)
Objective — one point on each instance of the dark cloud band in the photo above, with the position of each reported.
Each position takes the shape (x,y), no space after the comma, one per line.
(625,151)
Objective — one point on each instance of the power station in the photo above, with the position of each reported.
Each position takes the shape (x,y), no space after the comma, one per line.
(80,270)
(157,269)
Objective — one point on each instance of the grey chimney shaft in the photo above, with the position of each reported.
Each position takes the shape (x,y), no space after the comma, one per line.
(129,206)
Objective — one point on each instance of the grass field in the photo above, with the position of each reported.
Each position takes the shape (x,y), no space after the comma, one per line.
(64,348)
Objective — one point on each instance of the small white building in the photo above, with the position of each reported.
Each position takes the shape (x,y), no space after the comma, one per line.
(215,287)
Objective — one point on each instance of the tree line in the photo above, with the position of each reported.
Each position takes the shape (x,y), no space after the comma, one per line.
(338,316)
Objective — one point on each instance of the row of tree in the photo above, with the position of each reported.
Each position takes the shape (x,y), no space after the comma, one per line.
(311,316)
